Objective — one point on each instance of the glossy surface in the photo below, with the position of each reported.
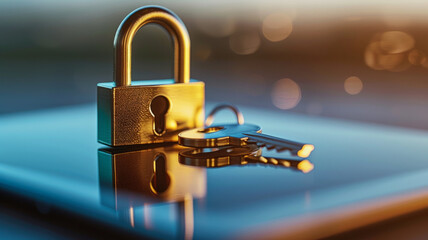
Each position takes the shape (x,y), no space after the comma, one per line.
(52,156)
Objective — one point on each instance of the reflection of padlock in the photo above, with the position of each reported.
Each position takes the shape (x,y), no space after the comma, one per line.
(134,182)
(147,176)
(144,112)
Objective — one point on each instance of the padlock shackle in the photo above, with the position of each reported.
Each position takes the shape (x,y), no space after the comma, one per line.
(128,28)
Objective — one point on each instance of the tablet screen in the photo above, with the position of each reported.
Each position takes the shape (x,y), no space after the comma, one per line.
(53,155)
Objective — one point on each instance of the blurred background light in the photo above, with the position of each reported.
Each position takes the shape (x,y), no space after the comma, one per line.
(353,85)
(390,51)
(53,53)
(286,94)
(396,42)
(277,27)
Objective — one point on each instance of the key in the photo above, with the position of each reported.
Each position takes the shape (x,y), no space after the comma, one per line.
(229,156)
(240,135)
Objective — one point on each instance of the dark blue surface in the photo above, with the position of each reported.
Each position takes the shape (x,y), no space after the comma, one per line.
(51,155)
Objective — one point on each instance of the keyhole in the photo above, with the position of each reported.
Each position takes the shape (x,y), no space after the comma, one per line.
(160,180)
(159,107)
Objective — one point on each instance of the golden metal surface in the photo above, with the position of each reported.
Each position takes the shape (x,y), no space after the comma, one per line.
(232,155)
(129,27)
(125,116)
(240,135)
(225,135)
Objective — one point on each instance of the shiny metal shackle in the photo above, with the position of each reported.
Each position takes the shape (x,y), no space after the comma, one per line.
(129,27)
(239,116)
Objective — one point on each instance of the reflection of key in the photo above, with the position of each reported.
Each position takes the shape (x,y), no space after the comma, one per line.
(228,156)
(240,135)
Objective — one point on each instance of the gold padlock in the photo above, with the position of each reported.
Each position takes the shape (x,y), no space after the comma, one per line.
(142,112)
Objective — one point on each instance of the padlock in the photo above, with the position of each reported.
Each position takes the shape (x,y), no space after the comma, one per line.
(155,111)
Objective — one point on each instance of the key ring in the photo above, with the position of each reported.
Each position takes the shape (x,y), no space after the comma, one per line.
(239,117)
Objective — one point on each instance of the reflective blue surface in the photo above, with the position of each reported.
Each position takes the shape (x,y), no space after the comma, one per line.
(52,156)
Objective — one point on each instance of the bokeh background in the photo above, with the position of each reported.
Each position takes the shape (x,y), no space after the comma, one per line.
(360,60)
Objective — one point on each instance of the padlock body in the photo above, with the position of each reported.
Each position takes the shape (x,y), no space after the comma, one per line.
(125,116)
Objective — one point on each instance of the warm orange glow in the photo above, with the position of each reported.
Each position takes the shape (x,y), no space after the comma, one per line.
(353,85)
(131,216)
(371,56)
(396,42)
(274,161)
(286,163)
(305,166)
(286,94)
(244,43)
(393,62)
(263,159)
(305,151)
(277,27)
(188,217)
(350,217)
(390,51)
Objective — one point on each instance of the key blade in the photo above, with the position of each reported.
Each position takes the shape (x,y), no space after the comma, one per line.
(300,149)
